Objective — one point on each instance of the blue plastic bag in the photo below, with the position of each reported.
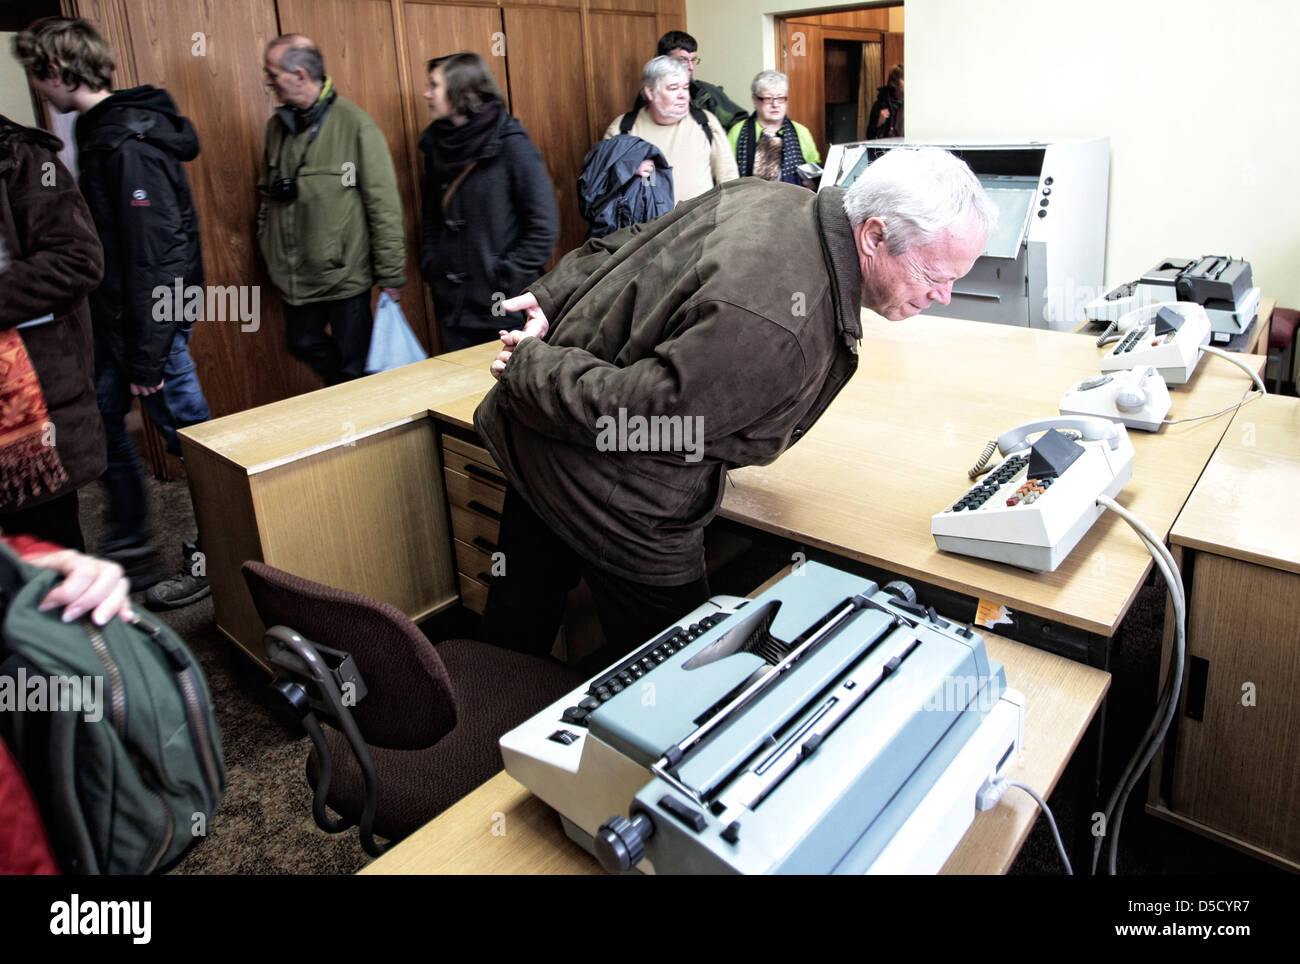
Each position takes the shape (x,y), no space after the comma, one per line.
(392,343)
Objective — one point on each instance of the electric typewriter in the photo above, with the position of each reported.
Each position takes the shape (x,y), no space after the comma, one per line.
(827,726)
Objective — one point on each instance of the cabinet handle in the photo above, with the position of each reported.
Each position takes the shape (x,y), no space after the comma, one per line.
(1198,679)
(484,474)
(483,577)
(484,544)
(480,508)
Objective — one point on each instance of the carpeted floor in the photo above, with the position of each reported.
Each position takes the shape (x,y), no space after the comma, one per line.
(265,827)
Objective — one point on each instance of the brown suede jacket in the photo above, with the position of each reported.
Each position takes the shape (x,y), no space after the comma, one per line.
(54,262)
(727,327)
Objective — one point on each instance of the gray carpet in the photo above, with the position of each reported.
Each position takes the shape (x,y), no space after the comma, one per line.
(265,827)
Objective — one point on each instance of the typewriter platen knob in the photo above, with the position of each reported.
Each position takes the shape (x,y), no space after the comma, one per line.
(620,842)
(901,591)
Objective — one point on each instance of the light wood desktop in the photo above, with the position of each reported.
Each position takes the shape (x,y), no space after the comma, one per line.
(1232,768)
(501,828)
(895,446)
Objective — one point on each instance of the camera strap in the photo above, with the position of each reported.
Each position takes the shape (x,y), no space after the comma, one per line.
(311,137)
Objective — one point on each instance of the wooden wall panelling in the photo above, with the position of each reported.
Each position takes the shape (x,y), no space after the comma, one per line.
(625,6)
(620,46)
(876,18)
(893,54)
(111,18)
(215,79)
(548,93)
(802,62)
(357,39)
(434,30)
(672,16)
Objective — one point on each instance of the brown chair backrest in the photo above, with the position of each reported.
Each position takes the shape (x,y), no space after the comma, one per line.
(410,703)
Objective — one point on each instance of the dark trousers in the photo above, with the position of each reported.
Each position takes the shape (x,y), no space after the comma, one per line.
(338,355)
(525,606)
(54,521)
(180,403)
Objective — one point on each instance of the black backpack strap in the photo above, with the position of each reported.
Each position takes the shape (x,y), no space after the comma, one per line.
(626,122)
(702,119)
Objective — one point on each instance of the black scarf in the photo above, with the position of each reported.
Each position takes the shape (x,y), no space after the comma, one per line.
(791,156)
(455,145)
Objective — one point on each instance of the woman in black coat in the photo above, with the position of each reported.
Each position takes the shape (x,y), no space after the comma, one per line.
(886,117)
(490,220)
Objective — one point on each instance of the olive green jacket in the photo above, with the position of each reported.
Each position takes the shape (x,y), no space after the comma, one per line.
(343,234)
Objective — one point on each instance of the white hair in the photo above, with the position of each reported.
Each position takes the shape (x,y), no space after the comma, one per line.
(660,67)
(769,80)
(918,192)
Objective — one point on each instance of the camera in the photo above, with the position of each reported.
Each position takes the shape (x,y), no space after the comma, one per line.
(283,189)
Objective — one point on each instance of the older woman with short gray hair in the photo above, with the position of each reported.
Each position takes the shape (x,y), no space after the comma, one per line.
(767,143)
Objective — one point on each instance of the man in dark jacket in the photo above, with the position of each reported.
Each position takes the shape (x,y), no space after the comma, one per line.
(710,338)
(50,260)
(131,144)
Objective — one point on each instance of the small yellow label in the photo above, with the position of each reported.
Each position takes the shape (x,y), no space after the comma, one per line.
(990,614)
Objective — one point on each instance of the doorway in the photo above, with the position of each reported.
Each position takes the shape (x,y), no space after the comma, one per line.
(836,62)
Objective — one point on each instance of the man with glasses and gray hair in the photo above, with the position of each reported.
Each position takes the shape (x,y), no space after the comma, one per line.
(697,150)
(330,224)
(736,316)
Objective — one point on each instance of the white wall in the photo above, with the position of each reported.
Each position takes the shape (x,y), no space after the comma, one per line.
(15,100)
(1200,100)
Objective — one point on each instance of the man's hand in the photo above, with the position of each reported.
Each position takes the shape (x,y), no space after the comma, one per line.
(646,169)
(92,585)
(394,293)
(535,326)
(145,389)
(884,116)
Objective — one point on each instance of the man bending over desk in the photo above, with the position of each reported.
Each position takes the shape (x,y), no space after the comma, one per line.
(656,358)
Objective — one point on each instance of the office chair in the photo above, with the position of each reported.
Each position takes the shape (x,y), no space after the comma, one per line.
(1281,337)
(430,717)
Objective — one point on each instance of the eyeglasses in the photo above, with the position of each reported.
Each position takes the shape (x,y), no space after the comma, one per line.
(690,61)
(774,101)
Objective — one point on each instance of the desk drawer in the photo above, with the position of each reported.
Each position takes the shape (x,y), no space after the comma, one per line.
(473,594)
(473,561)
(474,528)
(472,460)
(467,492)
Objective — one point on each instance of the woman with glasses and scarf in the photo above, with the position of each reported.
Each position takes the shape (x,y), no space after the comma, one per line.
(767,143)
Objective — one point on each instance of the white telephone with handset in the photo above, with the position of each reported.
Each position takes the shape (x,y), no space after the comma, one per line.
(1035,505)
(1138,397)
(1167,336)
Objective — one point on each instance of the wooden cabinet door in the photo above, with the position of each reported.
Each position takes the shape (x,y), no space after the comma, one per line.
(548,93)
(620,46)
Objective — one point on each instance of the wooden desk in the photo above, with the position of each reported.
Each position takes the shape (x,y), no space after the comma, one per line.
(501,828)
(342,485)
(1255,341)
(895,446)
(1231,771)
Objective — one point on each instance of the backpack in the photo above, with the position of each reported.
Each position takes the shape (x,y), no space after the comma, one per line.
(628,119)
(113,727)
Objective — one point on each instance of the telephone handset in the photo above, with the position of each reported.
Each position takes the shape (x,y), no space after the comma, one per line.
(1137,397)
(1035,505)
(1017,439)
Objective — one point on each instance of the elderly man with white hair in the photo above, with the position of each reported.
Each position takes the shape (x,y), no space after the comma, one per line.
(734,320)
(690,138)
(768,144)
